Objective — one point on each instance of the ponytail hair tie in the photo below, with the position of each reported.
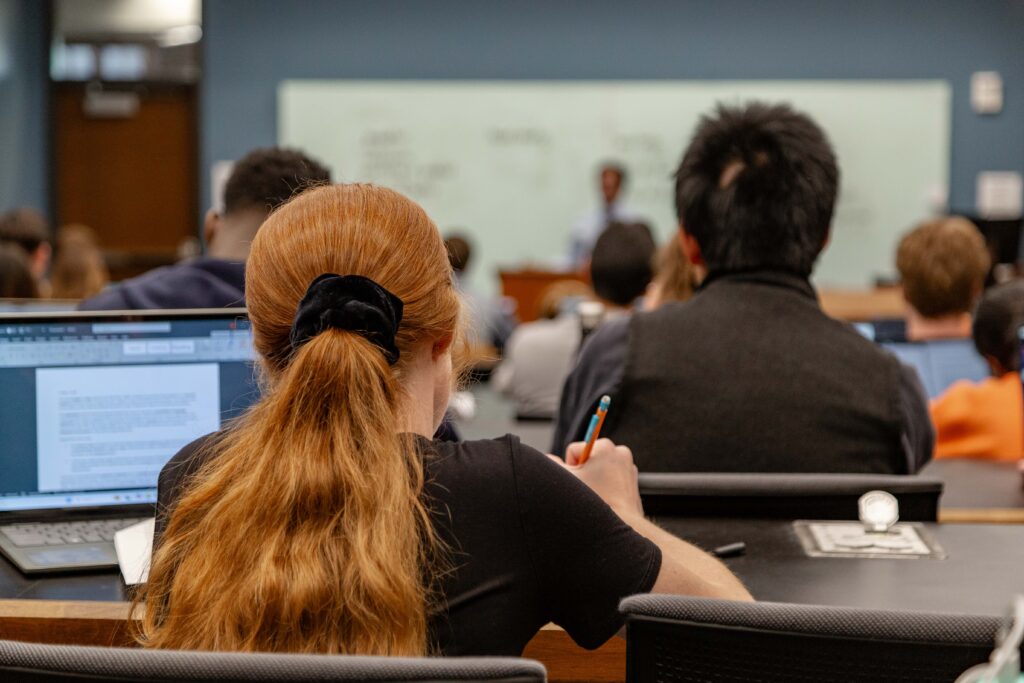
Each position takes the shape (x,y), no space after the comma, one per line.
(353,303)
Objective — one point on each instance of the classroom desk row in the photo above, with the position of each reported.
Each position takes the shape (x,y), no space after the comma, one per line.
(980,575)
(974,491)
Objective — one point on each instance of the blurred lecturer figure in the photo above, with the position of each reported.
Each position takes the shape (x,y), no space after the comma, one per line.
(589,226)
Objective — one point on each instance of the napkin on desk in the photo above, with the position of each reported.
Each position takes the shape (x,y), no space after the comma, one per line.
(134,546)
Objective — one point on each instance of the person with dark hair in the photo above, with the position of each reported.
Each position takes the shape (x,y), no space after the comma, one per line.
(540,354)
(612,176)
(750,375)
(16,281)
(459,252)
(986,419)
(621,265)
(260,181)
(27,229)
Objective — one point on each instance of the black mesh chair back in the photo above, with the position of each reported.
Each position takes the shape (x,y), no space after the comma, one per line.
(36,663)
(673,639)
(784,496)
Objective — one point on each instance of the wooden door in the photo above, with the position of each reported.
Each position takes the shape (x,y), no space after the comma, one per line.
(132,177)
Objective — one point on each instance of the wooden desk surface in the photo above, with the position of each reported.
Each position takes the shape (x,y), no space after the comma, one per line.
(65,622)
(867,304)
(527,286)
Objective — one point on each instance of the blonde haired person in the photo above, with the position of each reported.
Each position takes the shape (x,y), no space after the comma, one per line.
(78,270)
(942,265)
(325,520)
(553,299)
(675,278)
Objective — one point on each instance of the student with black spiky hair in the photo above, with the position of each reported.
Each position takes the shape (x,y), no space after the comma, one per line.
(750,375)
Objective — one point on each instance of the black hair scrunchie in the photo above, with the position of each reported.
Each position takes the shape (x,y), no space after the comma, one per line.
(349,302)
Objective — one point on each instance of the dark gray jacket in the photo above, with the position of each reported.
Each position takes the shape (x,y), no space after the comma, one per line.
(749,376)
(199,283)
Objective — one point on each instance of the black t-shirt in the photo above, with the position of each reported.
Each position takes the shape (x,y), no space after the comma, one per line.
(530,544)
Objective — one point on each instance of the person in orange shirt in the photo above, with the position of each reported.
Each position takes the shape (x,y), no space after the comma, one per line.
(986,419)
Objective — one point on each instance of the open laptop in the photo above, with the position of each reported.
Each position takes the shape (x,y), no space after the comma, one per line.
(941,362)
(91,407)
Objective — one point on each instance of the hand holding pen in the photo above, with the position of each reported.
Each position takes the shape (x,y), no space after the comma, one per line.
(610,471)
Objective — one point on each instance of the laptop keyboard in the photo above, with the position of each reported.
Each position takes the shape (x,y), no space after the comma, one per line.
(65,533)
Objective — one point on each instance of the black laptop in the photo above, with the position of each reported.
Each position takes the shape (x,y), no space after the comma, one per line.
(92,405)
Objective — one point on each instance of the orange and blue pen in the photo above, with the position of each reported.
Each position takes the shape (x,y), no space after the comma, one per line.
(594,429)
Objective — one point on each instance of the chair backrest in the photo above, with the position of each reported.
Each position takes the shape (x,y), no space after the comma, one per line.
(673,638)
(35,663)
(784,496)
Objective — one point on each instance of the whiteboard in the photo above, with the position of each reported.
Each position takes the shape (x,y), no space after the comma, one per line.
(514,163)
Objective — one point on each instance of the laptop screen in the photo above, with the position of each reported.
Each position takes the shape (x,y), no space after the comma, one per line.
(93,405)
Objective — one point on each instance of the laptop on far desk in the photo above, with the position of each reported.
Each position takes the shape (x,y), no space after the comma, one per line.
(92,405)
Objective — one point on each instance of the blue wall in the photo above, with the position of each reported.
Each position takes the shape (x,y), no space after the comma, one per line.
(252,45)
(23,110)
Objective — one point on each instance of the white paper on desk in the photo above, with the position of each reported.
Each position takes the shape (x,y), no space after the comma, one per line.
(134,546)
